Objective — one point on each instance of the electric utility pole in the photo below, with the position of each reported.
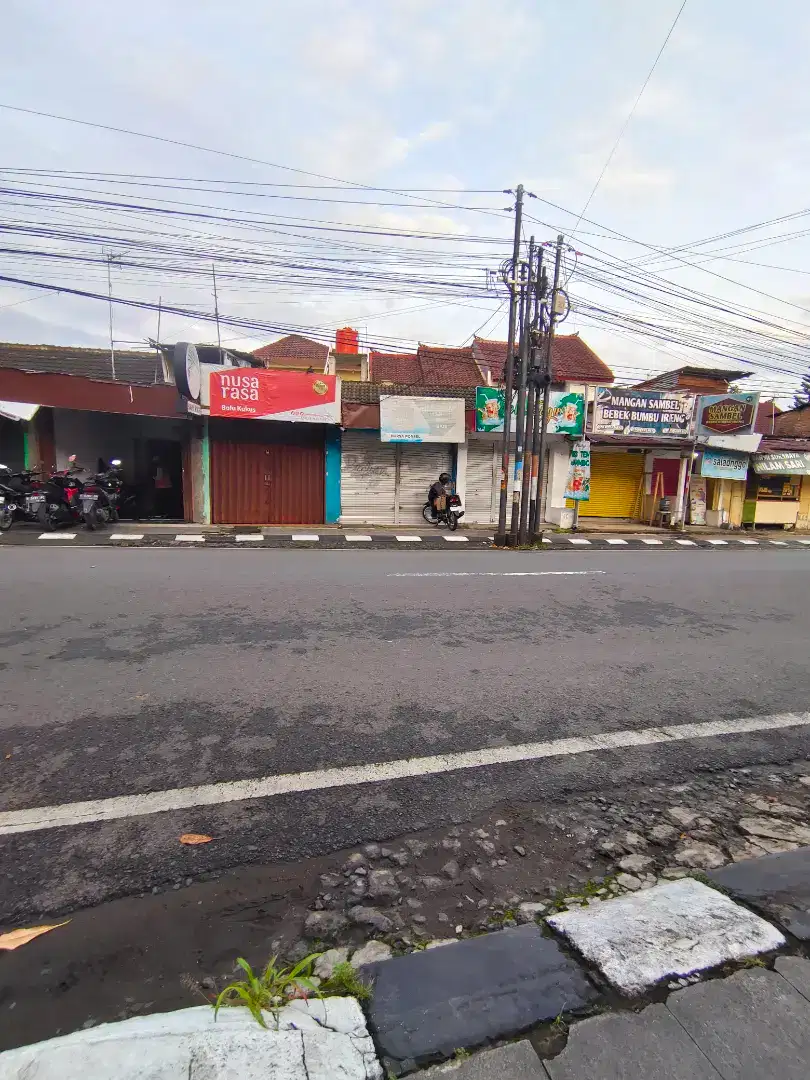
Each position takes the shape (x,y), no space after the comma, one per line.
(216,311)
(520,420)
(109,296)
(530,435)
(544,377)
(528,511)
(509,372)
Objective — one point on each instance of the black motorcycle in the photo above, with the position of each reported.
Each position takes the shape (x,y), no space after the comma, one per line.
(61,504)
(449,514)
(8,500)
(100,496)
(29,494)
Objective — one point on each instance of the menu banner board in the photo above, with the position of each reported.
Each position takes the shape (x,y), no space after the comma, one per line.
(565,414)
(724,464)
(578,486)
(421,419)
(650,413)
(785,463)
(726,414)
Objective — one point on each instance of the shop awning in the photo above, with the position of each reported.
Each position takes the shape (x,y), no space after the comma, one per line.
(17,410)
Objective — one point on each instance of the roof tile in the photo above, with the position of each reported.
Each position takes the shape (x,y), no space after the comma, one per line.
(293,348)
(571,360)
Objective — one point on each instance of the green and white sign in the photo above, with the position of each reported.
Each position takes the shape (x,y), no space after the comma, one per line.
(566,412)
(578,487)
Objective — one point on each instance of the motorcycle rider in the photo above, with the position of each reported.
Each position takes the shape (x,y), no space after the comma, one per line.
(439,489)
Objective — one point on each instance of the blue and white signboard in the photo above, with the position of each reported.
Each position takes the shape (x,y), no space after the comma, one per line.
(724,464)
(421,419)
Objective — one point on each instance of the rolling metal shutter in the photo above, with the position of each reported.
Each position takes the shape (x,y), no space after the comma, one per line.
(615,480)
(482,488)
(419,466)
(367,479)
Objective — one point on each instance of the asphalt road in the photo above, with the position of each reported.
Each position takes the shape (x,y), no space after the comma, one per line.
(136,671)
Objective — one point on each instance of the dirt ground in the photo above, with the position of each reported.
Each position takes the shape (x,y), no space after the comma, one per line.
(170,949)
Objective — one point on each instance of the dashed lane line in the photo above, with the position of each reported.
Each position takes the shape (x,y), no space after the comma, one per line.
(496,573)
(128,806)
(57,536)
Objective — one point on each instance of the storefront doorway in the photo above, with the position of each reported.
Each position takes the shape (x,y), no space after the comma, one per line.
(616,479)
(267,473)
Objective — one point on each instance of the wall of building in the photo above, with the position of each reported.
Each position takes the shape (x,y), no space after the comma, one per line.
(804,505)
(90,435)
(559,453)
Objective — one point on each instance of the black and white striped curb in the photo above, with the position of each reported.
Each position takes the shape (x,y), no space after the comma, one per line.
(402,541)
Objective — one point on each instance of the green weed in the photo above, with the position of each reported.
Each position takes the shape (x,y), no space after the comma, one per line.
(269,991)
(345,982)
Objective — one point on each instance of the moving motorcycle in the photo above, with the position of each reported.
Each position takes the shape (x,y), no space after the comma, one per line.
(448,515)
(100,496)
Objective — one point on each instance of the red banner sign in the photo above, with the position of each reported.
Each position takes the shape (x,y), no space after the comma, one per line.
(254,394)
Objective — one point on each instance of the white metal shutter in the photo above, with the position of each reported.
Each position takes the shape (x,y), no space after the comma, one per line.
(367,479)
(482,494)
(419,466)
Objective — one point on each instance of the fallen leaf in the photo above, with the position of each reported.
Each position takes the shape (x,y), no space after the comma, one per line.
(195,838)
(15,938)
(8,757)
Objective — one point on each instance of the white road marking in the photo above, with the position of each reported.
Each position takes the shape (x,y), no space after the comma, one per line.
(778,543)
(803,541)
(244,538)
(686,543)
(752,542)
(498,573)
(578,540)
(305,536)
(546,540)
(127,806)
(191,538)
(126,536)
(357,538)
(457,539)
(645,541)
(717,543)
(409,539)
(57,536)
(615,541)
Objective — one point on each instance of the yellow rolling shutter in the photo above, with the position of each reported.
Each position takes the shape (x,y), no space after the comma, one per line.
(615,479)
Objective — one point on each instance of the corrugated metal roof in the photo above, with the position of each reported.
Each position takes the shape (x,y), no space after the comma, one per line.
(139,368)
(367,393)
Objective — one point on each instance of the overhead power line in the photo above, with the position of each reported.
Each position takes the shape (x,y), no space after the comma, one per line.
(629,117)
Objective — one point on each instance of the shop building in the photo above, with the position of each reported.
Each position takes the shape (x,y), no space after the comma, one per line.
(59,402)
(575,370)
(386,482)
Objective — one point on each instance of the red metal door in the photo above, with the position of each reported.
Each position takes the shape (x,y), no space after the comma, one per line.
(257,482)
(295,491)
(238,495)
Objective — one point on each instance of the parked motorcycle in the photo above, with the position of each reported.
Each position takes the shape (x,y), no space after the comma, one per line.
(61,505)
(8,500)
(29,494)
(451,514)
(100,496)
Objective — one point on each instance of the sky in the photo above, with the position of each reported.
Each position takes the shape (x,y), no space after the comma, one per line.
(467,98)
